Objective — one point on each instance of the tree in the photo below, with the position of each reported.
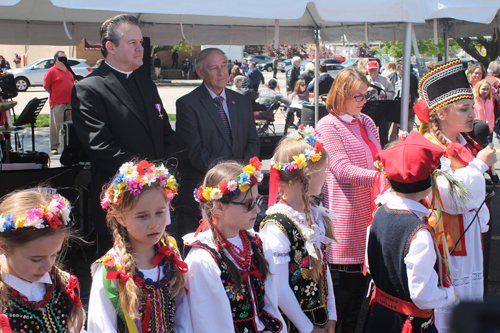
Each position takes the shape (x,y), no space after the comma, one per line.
(489,46)
(425,47)
(287,50)
(363,51)
(183,47)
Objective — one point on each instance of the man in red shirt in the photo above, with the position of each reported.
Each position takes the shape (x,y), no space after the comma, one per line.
(58,81)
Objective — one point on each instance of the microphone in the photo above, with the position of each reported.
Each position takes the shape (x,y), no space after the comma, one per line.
(480,134)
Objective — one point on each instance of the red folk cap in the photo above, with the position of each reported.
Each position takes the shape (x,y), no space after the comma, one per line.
(409,164)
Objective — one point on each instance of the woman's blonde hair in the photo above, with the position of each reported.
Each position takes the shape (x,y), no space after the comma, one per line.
(229,171)
(309,67)
(343,88)
(363,66)
(129,298)
(477,94)
(286,149)
(16,204)
(299,83)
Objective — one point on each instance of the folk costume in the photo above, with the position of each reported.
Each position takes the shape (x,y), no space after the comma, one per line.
(303,302)
(39,306)
(440,87)
(400,248)
(216,306)
(158,309)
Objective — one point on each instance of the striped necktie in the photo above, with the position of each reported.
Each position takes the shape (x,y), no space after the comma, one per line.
(218,102)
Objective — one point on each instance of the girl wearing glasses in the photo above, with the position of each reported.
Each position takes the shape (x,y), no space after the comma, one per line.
(232,287)
(352,141)
(297,234)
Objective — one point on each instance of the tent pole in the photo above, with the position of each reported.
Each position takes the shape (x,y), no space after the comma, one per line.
(405,96)
(316,80)
(446,42)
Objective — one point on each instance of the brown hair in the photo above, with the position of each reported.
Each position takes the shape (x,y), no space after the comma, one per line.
(363,66)
(472,68)
(286,149)
(345,85)
(477,94)
(299,83)
(229,171)
(391,66)
(236,70)
(129,298)
(16,204)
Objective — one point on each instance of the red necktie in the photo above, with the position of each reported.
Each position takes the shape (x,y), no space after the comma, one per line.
(364,135)
(218,102)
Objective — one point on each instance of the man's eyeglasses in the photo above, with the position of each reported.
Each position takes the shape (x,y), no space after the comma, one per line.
(360,98)
(251,204)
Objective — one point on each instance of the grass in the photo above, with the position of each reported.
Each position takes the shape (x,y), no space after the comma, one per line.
(43,120)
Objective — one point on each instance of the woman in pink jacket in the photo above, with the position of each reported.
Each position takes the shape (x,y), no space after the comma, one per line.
(352,142)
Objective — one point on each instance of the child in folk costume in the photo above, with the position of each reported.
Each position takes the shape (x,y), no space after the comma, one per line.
(297,233)
(446,114)
(232,287)
(35,295)
(138,286)
(400,249)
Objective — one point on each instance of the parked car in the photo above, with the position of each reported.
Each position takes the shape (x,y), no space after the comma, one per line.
(32,75)
(334,69)
(268,66)
(353,62)
(282,65)
(258,59)
(302,65)
(330,61)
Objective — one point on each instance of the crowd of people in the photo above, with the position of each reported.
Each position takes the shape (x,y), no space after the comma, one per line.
(386,215)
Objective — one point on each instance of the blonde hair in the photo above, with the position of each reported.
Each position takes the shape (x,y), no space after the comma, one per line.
(309,67)
(343,88)
(16,204)
(229,171)
(129,298)
(363,66)
(391,66)
(477,94)
(286,149)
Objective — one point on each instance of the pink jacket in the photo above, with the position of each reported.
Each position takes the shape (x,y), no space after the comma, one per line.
(484,111)
(348,184)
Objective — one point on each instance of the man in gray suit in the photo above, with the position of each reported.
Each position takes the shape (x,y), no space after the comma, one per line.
(213,124)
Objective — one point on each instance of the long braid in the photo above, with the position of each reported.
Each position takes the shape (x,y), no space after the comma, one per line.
(263,263)
(4,296)
(316,265)
(436,128)
(178,280)
(129,297)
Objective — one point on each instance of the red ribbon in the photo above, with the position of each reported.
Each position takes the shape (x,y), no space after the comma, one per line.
(203,224)
(53,220)
(121,276)
(166,251)
(4,323)
(422,111)
(72,284)
(463,154)
(254,272)
(274,183)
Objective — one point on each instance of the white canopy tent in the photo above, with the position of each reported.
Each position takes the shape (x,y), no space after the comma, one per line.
(66,22)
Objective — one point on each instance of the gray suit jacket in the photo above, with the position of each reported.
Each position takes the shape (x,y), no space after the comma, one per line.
(203,139)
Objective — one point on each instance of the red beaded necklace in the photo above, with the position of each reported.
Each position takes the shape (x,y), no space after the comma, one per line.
(243,257)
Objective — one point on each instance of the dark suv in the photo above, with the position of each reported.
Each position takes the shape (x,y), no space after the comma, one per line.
(258,59)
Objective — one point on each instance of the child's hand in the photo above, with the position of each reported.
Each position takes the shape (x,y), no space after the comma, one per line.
(318,329)
(330,326)
(488,155)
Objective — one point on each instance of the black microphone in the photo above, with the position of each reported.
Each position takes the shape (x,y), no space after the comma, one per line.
(480,134)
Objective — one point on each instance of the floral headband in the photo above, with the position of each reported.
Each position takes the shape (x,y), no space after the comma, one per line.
(251,174)
(300,161)
(56,213)
(133,177)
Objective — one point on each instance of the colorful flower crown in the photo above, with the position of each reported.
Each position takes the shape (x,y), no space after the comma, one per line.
(56,213)
(133,177)
(300,161)
(251,174)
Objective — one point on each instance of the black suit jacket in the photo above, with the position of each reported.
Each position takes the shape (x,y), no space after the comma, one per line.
(203,139)
(114,130)
(325,82)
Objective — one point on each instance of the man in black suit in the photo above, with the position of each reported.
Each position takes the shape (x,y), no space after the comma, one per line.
(118,114)
(213,124)
(325,81)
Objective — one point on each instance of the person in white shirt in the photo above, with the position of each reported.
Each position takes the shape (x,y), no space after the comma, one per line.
(232,287)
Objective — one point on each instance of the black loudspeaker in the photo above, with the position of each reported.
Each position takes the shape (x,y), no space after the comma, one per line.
(145,69)
(307,114)
(267,146)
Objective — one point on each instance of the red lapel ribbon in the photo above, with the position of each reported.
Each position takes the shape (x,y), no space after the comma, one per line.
(72,284)
(254,272)
(203,223)
(274,183)
(166,251)
(463,154)
(121,276)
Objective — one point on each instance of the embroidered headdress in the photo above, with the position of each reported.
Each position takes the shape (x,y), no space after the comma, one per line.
(56,213)
(132,177)
(441,86)
(251,174)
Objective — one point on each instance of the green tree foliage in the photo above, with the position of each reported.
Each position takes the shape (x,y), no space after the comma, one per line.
(425,47)
(491,46)
(183,47)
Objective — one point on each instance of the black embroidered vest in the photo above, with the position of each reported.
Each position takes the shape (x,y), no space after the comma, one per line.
(242,304)
(25,316)
(312,296)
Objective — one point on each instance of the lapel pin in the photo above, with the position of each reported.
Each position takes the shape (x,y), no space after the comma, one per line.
(234,102)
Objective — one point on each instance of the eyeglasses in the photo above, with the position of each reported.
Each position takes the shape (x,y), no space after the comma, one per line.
(251,204)
(360,98)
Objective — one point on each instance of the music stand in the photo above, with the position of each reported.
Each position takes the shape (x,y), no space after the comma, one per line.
(29,115)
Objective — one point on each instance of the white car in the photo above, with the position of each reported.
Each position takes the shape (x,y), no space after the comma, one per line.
(334,69)
(32,75)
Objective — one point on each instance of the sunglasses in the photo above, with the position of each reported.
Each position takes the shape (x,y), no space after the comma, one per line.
(251,204)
